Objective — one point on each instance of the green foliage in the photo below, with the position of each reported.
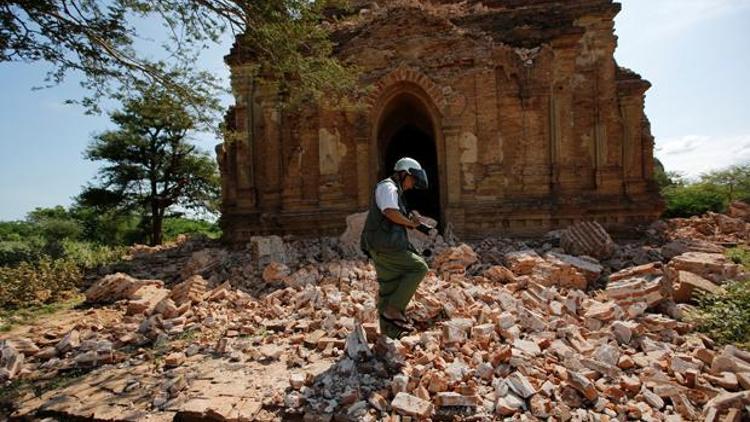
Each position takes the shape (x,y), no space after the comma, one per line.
(31,284)
(739,255)
(98,39)
(693,199)
(150,165)
(713,191)
(39,266)
(42,259)
(88,255)
(55,224)
(15,252)
(107,227)
(726,316)
(16,231)
(664,178)
(174,227)
(733,181)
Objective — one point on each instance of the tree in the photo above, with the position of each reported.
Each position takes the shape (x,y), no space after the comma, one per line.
(665,178)
(96,38)
(151,167)
(734,180)
(55,224)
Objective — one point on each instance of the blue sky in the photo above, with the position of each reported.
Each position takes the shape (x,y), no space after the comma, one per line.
(693,51)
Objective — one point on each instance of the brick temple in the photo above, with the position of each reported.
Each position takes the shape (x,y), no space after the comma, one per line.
(516,108)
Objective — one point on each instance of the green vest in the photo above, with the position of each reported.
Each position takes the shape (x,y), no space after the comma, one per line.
(381,234)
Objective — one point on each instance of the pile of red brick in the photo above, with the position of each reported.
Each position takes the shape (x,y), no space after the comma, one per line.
(527,334)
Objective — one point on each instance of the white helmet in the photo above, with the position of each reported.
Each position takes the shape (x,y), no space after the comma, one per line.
(412,167)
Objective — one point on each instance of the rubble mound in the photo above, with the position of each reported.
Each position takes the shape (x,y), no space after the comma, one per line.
(504,330)
(719,229)
(739,209)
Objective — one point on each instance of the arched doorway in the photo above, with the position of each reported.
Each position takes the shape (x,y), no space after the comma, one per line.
(406,129)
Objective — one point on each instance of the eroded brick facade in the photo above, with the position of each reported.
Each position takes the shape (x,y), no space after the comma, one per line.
(517,109)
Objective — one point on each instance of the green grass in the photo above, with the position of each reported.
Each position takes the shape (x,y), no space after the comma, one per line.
(23,316)
(739,255)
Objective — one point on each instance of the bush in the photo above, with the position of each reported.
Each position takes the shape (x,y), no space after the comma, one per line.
(55,224)
(13,253)
(695,199)
(16,231)
(88,255)
(108,228)
(739,256)
(725,316)
(174,227)
(31,284)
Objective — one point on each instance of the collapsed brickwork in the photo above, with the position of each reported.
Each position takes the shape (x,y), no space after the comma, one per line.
(517,109)
(507,330)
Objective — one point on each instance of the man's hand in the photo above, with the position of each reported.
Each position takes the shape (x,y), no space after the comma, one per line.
(395,216)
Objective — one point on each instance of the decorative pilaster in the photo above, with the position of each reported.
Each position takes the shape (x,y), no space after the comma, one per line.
(452,164)
(269,100)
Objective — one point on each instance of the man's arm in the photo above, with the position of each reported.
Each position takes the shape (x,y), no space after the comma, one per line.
(395,216)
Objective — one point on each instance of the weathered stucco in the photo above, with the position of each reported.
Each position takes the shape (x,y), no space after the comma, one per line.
(531,123)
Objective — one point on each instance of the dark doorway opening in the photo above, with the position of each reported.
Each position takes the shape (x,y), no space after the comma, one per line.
(411,141)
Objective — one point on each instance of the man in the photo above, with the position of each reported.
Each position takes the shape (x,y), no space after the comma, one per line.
(399,267)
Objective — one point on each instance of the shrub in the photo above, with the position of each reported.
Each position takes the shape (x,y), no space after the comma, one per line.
(31,284)
(55,224)
(88,255)
(725,316)
(108,228)
(695,199)
(174,227)
(15,252)
(739,256)
(16,230)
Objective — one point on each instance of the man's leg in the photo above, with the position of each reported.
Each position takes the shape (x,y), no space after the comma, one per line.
(399,275)
(387,283)
(412,268)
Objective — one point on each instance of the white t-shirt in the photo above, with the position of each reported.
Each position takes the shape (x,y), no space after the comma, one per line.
(386,196)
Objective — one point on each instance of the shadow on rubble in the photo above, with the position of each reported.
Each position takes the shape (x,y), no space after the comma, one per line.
(350,387)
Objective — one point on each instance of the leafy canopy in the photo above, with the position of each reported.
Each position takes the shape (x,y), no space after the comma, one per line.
(150,165)
(99,39)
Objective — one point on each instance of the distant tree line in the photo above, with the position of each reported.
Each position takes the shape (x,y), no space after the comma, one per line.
(712,191)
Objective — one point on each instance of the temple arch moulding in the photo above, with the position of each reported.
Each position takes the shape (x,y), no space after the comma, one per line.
(407,120)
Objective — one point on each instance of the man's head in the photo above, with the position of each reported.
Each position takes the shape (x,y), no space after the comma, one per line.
(411,174)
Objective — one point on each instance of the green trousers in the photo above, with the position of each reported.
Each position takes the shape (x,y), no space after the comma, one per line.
(399,274)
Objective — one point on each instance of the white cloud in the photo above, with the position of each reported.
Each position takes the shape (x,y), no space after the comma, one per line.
(692,155)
